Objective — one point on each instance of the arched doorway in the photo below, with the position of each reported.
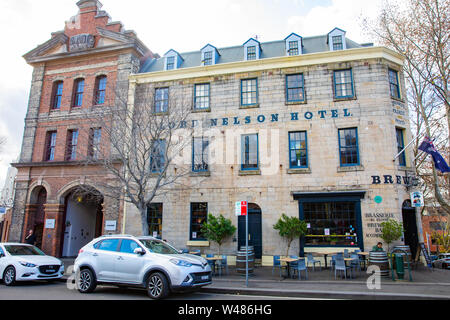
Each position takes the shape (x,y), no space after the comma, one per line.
(254,229)
(36,214)
(83,220)
(410,226)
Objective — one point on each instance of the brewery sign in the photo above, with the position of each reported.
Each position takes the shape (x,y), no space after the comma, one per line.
(82,42)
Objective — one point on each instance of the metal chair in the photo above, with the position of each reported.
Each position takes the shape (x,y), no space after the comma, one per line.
(301,266)
(211,263)
(312,260)
(333,259)
(346,253)
(223,264)
(340,266)
(356,262)
(197,252)
(185,251)
(277,264)
(293,265)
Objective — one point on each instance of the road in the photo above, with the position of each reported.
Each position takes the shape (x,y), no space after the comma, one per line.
(58,291)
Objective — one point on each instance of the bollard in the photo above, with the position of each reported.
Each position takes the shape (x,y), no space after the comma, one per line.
(400,268)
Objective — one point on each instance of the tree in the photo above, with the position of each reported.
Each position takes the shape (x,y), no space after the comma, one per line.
(218,229)
(420,31)
(143,136)
(290,228)
(391,231)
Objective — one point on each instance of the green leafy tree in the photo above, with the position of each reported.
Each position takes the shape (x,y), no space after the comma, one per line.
(391,231)
(217,229)
(290,228)
(442,239)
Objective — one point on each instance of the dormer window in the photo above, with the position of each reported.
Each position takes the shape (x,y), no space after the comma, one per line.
(170,63)
(207,60)
(337,43)
(336,40)
(293,48)
(251,53)
(210,55)
(293,45)
(173,60)
(252,50)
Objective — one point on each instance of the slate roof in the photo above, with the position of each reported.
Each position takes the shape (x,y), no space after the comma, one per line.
(235,54)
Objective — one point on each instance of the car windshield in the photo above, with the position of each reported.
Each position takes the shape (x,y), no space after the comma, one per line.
(157,246)
(23,251)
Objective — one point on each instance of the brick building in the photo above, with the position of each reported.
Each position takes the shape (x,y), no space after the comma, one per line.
(77,71)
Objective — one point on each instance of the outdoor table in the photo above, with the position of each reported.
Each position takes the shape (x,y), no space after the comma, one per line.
(214,260)
(364,255)
(288,261)
(325,254)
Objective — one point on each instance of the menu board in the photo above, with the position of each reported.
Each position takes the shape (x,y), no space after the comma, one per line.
(426,255)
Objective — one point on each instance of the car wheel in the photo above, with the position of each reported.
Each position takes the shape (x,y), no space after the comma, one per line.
(157,286)
(86,282)
(9,277)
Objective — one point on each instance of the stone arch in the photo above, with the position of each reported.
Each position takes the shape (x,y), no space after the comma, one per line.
(34,189)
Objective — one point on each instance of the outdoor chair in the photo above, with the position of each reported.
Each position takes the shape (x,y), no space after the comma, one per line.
(293,265)
(333,259)
(222,264)
(301,266)
(356,263)
(197,252)
(211,263)
(185,251)
(313,261)
(277,264)
(340,266)
(346,253)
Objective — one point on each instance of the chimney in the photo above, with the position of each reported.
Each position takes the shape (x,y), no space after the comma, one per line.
(87,6)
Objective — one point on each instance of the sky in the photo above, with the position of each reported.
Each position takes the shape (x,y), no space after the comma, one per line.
(162,25)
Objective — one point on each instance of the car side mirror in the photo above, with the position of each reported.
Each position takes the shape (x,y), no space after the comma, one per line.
(139,251)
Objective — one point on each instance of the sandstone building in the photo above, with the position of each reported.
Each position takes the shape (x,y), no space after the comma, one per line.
(306,126)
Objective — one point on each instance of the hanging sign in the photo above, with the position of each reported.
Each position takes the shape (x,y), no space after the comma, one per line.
(417,199)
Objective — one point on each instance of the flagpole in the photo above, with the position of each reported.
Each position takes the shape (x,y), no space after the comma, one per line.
(414,139)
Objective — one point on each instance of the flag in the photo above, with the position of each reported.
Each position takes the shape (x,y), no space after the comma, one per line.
(439,162)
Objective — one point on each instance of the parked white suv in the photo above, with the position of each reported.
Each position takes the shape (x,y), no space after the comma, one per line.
(142,262)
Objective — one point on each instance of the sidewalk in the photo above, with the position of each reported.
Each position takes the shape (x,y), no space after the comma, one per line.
(322,284)
(426,284)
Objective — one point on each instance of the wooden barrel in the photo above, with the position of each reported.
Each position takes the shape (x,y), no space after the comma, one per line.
(380,259)
(407,249)
(250,248)
(241,261)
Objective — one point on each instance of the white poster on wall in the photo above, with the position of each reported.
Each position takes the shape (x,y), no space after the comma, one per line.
(327,232)
(50,224)
(111,225)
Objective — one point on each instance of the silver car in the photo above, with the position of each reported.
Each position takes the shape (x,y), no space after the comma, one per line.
(141,262)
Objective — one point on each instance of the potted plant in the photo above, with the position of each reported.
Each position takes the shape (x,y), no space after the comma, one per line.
(217,229)
(290,228)
(391,231)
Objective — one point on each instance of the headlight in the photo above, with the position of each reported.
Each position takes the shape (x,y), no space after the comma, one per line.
(181,263)
(27,264)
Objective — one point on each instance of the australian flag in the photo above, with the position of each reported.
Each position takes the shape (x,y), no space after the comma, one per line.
(439,162)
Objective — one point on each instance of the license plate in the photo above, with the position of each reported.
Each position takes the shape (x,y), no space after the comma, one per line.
(205,277)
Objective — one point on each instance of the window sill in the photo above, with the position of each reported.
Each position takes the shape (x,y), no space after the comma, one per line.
(290,103)
(200,174)
(252,106)
(160,113)
(398,99)
(344,99)
(350,168)
(199,243)
(201,110)
(298,171)
(250,172)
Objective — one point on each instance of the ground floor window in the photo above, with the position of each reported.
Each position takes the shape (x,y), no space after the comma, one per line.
(331,223)
(199,214)
(155,213)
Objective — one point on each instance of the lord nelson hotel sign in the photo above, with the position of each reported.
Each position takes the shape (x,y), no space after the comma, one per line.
(82,42)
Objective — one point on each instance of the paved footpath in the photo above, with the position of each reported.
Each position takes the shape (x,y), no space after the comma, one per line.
(321,284)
